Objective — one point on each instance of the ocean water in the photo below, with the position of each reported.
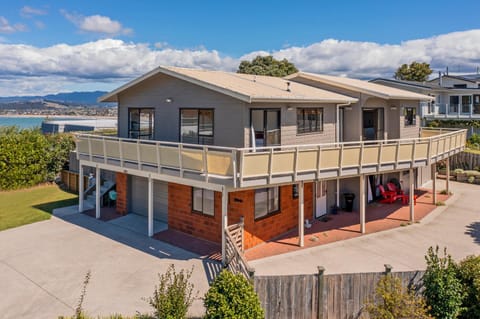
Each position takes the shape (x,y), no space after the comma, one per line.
(21,122)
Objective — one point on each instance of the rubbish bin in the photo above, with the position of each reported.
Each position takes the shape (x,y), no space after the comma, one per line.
(349,197)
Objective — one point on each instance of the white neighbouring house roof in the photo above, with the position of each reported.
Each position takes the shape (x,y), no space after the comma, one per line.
(355,85)
(245,87)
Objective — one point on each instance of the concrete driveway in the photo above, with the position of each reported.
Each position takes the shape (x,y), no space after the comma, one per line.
(42,267)
(455,226)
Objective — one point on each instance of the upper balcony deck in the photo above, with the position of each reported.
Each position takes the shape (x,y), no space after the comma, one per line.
(246,167)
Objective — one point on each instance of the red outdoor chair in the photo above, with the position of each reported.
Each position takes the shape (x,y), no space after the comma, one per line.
(393,188)
(388,197)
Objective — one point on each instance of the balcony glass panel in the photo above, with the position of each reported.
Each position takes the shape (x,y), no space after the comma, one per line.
(466,101)
(454,103)
(476,104)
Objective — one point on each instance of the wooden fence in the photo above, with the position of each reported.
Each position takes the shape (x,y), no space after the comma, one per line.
(465,160)
(70,180)
(339,296)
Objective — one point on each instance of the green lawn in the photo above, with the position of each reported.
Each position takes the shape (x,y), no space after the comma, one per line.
(32,205)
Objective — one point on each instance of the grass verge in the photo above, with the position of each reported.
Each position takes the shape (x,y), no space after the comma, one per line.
(31,205)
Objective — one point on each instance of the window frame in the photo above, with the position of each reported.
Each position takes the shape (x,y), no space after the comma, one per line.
(269,212)
(151,125)
(320,122)
(202,210)
(200,136)
(413,121)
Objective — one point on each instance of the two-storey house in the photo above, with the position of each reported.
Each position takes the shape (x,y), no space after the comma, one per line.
(201,150)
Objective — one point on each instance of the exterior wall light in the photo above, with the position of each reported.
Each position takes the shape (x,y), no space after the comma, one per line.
(169,100)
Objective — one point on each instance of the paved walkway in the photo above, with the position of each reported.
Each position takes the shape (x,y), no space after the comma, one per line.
(42,267)
(456,226)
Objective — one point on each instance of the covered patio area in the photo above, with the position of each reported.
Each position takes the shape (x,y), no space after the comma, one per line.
(346,225)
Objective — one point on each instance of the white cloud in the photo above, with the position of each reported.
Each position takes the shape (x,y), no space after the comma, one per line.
(459,50)
(6,27)
(28,12)
(28,69)
(96,24)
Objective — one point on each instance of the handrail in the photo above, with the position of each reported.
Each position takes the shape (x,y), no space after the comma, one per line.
(235,259)
(237,167)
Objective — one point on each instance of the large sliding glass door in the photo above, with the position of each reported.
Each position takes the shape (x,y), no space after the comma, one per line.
(265,127)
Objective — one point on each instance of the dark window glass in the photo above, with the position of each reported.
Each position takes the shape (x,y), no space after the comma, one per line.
(267,201)
(309,120)
(410,116)
(203,201)
(196,126)
(141,123)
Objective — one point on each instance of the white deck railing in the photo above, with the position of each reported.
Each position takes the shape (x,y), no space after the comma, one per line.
(245,167)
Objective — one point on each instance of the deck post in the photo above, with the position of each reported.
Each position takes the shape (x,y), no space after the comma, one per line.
(80,188)
(434,183)
(301,215)
(224,225)
(337,200)
(362,203)
(411,195)
(97,192)
(447,178)
(150,206)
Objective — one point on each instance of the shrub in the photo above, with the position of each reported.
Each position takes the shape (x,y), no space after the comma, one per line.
(173,295)
(232,296)
(440,203)
(472,173)
(444,192)
(443,290)
(458,171)
(469,275)
(395,301)
(474,139)
(27,157)
(471,179)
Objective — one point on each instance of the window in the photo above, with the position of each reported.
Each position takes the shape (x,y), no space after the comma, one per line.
(460,86)
(295,191)
(267,201)
(196,126)
(410,116)
(203,201)
(309,120)
(140,123)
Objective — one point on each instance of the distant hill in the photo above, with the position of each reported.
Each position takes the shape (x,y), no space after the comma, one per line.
(72,98)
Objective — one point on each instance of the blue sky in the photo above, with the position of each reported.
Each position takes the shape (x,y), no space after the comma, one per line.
(52,46)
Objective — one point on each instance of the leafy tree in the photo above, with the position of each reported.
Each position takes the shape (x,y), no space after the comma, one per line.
(232,297)
(443,290)
(173,295)
(416,71)
(469,275)
(394,301)
(27,157)
(267,65)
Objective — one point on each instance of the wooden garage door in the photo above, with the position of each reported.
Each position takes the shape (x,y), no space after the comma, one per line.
(139,198)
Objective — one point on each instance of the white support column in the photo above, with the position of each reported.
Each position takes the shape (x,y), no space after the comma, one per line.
(447,178)
(301,215)
(224,225)
(411,194)
(97,192)
(81,186)
(362,204)
(150,206)
(338,193)
(434,183)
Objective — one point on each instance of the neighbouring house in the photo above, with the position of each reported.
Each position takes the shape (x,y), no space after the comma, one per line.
(201,150)
(455,97)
